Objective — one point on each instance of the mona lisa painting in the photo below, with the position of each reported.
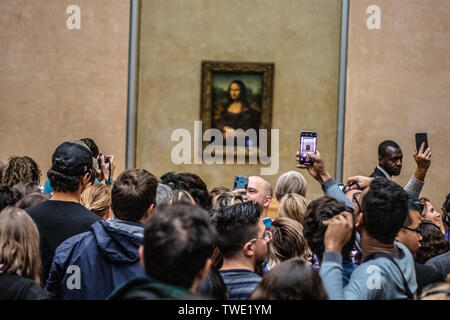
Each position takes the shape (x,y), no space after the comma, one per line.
(236,97)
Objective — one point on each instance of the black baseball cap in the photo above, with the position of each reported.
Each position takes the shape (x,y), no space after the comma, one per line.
(72,159)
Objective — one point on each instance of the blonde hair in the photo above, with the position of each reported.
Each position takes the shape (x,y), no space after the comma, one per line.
(287,241)
(438,291)
(19,244)
(293,206)
(97,198)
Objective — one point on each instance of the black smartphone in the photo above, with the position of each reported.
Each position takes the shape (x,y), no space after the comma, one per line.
(308,143)
(240,182)
(420,138)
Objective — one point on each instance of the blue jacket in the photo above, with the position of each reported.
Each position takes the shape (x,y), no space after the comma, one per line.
(91,265)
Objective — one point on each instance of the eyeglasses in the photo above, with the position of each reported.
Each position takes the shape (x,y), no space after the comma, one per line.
(419,232)
(267,235)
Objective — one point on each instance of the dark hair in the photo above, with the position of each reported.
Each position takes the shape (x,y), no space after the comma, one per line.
(133,193)
(293,279)
(213,286)
(319,210)
(433,242)
(216,191)
(2,168)
(382,147)
(21,169)
(178,240)
(228,199)
(412,206)
(8,197)
(446,210)
(236,225)
(92,146)
(384,208)
(26,188)
(31,199)
(190,182)
(62,183)
(180,197)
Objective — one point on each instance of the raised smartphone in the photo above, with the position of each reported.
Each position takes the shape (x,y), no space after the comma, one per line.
(308,144)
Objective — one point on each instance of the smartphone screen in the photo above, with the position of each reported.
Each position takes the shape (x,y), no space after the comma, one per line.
(267,222)
(240,182)
(420,138)
(308,142)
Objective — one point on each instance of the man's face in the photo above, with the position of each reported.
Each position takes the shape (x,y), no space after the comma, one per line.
(391,161)
(354,196)
(261,243)
(257,191)
(357,199)
(408,237)
(235,91)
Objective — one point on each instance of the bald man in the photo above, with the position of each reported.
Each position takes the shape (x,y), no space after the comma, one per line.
(260,191)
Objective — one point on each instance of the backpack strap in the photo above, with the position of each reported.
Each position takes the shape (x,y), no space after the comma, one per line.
(389,256)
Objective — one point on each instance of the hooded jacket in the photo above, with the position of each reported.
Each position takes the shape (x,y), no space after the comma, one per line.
(90,265)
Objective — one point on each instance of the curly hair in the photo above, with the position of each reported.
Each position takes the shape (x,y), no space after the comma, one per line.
(62,183)
(433,242)
(21,169)
(8,196)
(319,210)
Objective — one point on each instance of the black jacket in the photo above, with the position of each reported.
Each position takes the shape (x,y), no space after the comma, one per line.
(377,173)
(148,289)
(56,222)
(15,287)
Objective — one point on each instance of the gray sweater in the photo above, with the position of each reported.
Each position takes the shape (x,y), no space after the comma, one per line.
(377,279)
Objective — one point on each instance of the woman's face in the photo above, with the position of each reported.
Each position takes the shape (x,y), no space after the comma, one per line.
(432,215)
(235,91)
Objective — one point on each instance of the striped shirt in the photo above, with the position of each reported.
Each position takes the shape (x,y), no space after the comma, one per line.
(240,283)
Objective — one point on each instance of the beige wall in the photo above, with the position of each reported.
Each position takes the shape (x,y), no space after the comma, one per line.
(300,36)
(398,84)
(58,84)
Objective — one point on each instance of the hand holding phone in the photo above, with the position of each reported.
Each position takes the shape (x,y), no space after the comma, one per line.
(421,138)
(422,156)
(308,145)
(240,182)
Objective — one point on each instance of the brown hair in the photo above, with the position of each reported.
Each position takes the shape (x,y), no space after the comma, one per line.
(181,197)
(133,192)
(287,241)
(293,206)
(433,242)
(97,198)
(19,244)
(21,169)
(293,279)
